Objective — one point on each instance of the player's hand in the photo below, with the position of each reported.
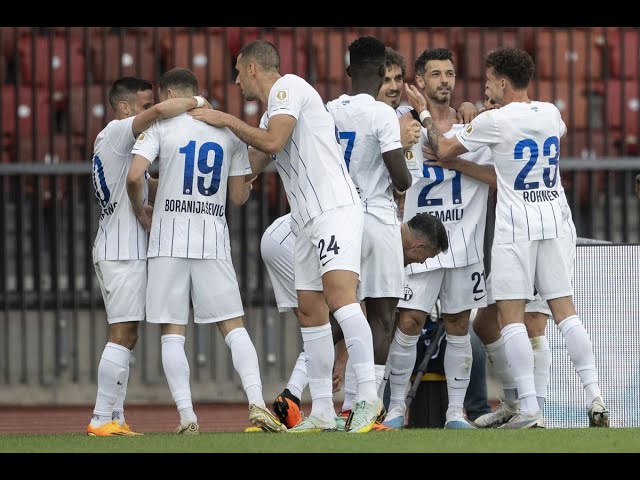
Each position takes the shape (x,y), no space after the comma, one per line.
(337,381)
(416,99)
(409,131)
(210,116)
(145,217)
(467,112)
(400,203)
(249,183)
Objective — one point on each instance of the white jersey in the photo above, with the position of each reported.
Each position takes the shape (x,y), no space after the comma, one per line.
(458,200)
(368,128)
(414,166)
(525,141)
(120,236)
(196,160)
(311,164)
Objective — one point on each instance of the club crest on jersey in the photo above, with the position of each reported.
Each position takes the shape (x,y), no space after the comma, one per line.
(141,137)
(282,95)
(408,155)
(408,294)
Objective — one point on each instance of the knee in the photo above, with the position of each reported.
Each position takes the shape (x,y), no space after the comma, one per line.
(411,322)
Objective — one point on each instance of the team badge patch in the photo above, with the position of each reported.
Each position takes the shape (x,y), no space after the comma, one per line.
(408,294)
(408,155)
(282,95)
(468,130)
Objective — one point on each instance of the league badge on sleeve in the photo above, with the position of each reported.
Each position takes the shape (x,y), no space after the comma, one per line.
(282,96)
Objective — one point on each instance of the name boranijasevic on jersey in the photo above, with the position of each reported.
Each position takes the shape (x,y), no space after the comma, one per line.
(120,235)
(196,160)
(525,142)
(368,128)
(458,200)
(311,163)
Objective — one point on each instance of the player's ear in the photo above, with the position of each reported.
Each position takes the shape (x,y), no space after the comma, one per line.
(420,81)
(349,70)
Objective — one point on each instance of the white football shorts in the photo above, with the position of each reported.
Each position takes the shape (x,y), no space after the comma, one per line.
(123,284)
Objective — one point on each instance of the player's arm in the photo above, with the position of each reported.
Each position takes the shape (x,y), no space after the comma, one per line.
(153,188)
(482,173)
(270,140)
(258,160)
(135,189)
(239,189)
(409,131)
(169,108)
(397,166)
(466,112)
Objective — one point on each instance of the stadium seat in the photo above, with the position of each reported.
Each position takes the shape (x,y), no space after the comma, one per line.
(89,111)
(115,55)
(57,149)
(202,53)
(476,43)
(21,109)
(293,48)
(623,49)
(570,98)
(622,104)
(330,91)
(330,48)
(468,91)
(569,55)
(58,56)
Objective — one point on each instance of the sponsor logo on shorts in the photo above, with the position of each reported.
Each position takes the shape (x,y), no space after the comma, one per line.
(408,294)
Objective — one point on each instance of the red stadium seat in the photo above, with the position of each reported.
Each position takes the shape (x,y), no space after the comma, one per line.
(570,98)
(622,104)
(330,91)
(623,48)
(58,149)
(21,109)
(114,55)
(293,50)
(202,53)
(574,55)
(330,49)
(90,111)
(476,44)
(57,55)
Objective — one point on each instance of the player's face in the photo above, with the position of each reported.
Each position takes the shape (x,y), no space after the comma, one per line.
(144,101)
(494,87)
(244,79)
(392,86)
(440,80)
(420,252)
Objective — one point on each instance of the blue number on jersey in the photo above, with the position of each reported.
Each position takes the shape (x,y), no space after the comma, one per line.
(350,137)
(456,187)
(100,183)
(534,151)
(204,168)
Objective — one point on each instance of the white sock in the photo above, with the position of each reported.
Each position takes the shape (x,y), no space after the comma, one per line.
(580,351)
(299,379)
(379,373)
(176,369)
(541,367)
(318,345)
(350,386)
(498,359)
(112,370)
(118,408)
(520,357)
(457,368)
(359,342)
(245,362)
(402,360)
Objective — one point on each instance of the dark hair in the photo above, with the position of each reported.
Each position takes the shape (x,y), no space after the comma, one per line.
(514,64)
(181,79)
(366,51)
(263,53)
(392,57)
(431,229)
(431,54)
(124,89)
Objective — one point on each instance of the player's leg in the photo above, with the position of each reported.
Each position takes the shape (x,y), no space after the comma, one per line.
(277,251)
(339,251)
(536,316)
(462,289)
(123,285)
(513,273)
(476,400)
(555,288)
(168,305)
(420,294)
